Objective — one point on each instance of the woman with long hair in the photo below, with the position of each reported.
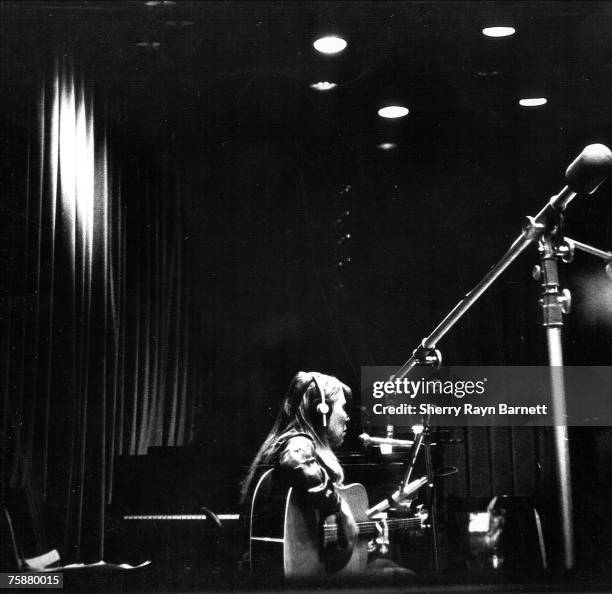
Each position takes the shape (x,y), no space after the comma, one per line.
(311,421)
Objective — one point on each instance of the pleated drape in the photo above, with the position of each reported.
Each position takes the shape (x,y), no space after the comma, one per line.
(95,309)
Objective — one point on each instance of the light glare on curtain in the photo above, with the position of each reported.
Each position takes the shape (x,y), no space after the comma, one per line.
(74,135)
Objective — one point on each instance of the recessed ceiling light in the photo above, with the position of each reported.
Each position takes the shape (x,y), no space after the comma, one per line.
(323,86)
(533,102)
(393,111)
(498,31)
(387,146)
(152,45)
(180,24)
(329,45)
(160,3)
(488,73)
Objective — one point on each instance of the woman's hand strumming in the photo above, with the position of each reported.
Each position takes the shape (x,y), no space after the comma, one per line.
(347,527)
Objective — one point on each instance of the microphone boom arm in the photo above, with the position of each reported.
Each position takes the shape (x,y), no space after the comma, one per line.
(584,175)
(535,228)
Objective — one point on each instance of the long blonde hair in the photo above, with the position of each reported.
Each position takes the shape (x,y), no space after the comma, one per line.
(298,412)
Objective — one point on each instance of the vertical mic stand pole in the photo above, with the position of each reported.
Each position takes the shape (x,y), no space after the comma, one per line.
(422,439)
(554,304)
(433,513)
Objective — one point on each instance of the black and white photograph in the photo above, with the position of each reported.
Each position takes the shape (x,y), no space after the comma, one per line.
(306,295)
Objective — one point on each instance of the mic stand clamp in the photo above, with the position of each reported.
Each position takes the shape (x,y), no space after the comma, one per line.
(565,250)
(555,302)
(428,356)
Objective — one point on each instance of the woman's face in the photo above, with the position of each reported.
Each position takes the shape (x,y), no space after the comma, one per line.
(338,419)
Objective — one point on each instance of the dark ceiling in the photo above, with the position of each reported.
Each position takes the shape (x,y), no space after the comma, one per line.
(226,84)
(245,67)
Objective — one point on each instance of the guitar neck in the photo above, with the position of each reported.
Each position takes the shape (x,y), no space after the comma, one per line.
(371,527)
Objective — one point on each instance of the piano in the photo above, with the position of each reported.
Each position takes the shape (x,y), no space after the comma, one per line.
(180,508)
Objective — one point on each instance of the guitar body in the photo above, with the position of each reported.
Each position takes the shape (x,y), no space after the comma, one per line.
(286,534)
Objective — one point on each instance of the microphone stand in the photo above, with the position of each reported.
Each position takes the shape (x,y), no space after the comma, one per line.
(422,439)
(419,434)
(584,175)
(433,513)
(554,304)
(538,228)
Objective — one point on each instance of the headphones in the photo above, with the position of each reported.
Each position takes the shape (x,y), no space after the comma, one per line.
(322,406)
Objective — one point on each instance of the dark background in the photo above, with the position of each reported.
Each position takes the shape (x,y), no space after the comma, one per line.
(277,173)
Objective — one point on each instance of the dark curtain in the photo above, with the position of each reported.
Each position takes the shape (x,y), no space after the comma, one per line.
(95,332)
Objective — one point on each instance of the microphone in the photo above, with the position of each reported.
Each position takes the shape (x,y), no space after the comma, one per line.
(398,496)
(370,441)
(584,175)
(589,169)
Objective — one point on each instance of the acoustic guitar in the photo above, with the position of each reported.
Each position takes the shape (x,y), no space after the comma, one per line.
(289,537)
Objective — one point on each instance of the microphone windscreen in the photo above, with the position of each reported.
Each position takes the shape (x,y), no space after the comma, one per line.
(589,169)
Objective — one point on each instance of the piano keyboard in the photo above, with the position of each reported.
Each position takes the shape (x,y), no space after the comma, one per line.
(180,517)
